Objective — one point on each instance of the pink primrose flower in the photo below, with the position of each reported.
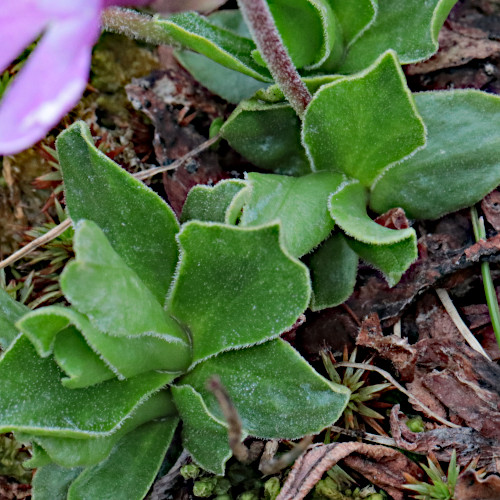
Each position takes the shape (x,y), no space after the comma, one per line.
(56,73)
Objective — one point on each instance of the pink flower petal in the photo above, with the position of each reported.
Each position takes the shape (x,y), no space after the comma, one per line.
(125,3)
(50,83)
(20,24)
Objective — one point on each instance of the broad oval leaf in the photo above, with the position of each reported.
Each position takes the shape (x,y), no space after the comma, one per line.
(203,435)
(460,163)
(299,203)
(131,468)
(52,482)
(99,284)
(268,135)
(225,47)
(354,17)
(392,251)
(235,286)
(32,399)
(408,27)
(360,124)
(139,224)
(271,386)
(334,266)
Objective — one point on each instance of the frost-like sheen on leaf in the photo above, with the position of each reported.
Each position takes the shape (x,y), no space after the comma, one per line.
(131,467)
(99,284)
(203,435)
(334,266)
(299,203)
(409,27)
(210,204)
(235,286)
(392,251)
(268,135)
(81,413)
(139,224)
(360,124)
(10,312)
(225,47)
(271,385)
(460,163)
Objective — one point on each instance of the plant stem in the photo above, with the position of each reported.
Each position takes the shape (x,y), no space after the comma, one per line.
(489,288)
(134,25)
(265,34)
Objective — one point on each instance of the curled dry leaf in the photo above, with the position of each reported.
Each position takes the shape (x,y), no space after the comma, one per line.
(491,208)
(471,487)
(381,465)
(467,442)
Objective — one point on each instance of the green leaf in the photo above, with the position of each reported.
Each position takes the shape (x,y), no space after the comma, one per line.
(39,457)
(130,469)
(76,358)
(204,436)
(299,203)
(354,17)
(10,312)
(139,224)
(125,356)
(69,452)
(33,400)
(268,135)
(391,251)
(360,124)
(270,384)
(334,267)
(99,284)
(225,47)
(410,28)
(235,286)
(210,204)
(309,30)
(52,482)
(460,163)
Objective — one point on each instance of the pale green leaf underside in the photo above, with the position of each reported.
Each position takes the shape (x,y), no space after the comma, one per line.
(409,27)
(131,467)
(271,386)
(391,251)
(229,84)
(334,266)
(33,400)
(361,124)
(52,482)
(99,284)
(299,203)
(235,286)
(210,204)
(203,436)
(140,226)
(10,312)
(354,17)
(460,163)
(225,47)
(268,135)
(69,452)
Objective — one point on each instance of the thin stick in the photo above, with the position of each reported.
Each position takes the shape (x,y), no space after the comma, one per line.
(387,441)
(32,245)
(59,229)
(398,386)
(274,465)
(461,326)
(397,328)
(265,34)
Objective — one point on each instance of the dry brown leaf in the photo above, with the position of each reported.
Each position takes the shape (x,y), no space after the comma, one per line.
(383,467)
(467,442)
(491,208)
(471,487)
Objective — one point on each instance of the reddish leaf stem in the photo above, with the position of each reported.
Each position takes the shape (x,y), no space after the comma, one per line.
(265,34)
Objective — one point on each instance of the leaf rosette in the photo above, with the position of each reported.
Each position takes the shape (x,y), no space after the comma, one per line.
(100,386)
